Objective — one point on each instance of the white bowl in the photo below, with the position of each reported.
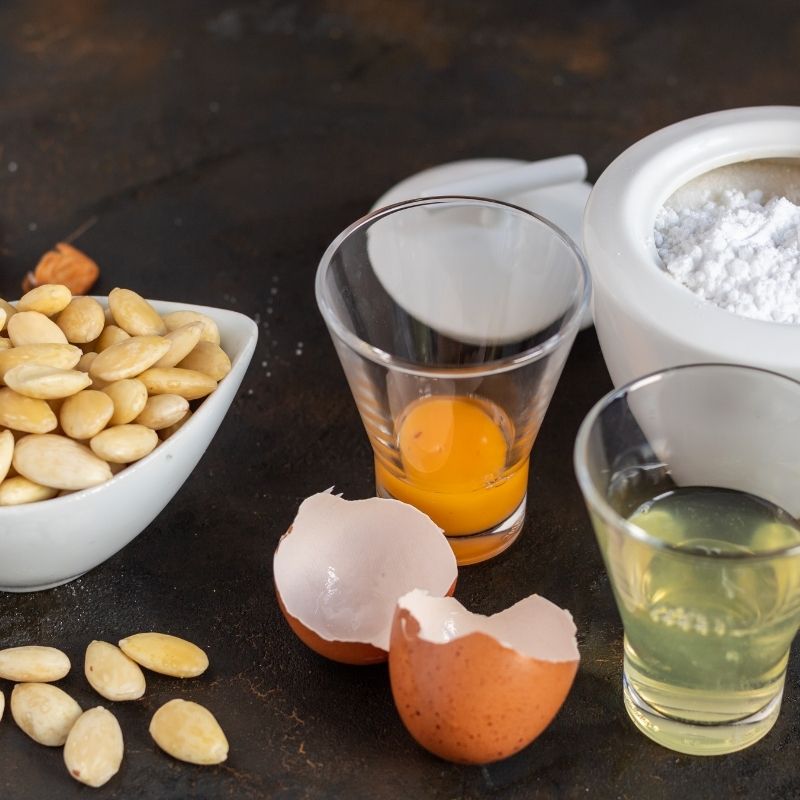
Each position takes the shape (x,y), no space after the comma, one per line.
(55,541)
(645,319)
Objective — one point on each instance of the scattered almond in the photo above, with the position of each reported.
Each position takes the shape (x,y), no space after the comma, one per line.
(32,663)
(94,747)
(112,674)
(189,732)
(46,713)
(169,655)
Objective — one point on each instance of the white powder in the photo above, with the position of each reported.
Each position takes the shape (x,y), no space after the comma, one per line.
(737,252)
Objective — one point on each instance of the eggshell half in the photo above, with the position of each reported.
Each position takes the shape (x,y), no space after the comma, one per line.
(343,564)
(475,689)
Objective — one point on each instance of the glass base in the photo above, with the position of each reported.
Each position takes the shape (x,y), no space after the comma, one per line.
(473,548)
(699,739)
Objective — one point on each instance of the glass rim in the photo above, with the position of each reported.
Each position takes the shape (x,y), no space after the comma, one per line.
(495,366)
(597,503)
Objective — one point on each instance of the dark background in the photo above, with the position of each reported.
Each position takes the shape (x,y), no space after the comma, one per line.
(211,152)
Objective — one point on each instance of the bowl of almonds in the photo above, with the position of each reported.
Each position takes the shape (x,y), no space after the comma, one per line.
(106,406)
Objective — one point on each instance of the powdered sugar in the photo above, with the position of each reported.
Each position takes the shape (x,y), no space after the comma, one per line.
(737,252)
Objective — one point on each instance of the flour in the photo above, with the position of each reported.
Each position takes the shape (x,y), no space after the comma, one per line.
(737,252)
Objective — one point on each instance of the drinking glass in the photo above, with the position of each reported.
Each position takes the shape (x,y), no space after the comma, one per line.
(708,587)
(452,318)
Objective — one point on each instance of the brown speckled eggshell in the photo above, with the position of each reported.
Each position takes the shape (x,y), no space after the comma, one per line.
(472,700)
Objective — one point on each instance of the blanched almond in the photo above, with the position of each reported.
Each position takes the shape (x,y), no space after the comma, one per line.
(129,397)
(9,312)
(63,356)
(6,453)
(47,299)
(134,314)
(85,414)
(45,383)
(209,359)
(46,713)
(111,335)
(25,413)
(187,383)
(112,674)
(169,655)
(177,319)
(124,444)
(59,462)
(128,358)
(32,663)
(165,433)
(163,410)
(94,747)
(189,732)
(31,327)
(82,320)
(17,491)
(182,341)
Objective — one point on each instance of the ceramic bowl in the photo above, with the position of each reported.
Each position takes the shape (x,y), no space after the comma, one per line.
(55,541)
(647,321)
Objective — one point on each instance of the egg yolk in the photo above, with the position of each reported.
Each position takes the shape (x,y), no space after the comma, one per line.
(454,456)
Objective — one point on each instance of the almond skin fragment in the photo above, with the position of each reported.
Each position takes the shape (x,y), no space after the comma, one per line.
(169,655)
(189,732)
(67,265)
(33,664)
(112,674)
(46,713)
(94,747)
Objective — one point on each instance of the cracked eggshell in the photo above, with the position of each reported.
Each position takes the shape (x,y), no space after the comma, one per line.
(475,689)
(343,564)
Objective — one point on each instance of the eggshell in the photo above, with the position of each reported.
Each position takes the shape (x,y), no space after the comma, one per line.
(474,689)
(342,565)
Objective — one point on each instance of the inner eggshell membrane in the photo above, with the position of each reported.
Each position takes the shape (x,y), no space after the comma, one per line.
(343,564)
(443,619)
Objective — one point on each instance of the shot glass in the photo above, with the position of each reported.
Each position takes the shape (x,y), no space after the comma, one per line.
(691,480)
(452,318)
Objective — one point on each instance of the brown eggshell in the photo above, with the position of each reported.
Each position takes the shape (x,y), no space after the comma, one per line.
(344,652)
(342,565)
(472,700)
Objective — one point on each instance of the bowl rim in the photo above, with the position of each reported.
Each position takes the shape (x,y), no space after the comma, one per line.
(239,364)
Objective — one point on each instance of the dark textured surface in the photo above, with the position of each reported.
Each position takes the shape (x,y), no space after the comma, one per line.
(215,150)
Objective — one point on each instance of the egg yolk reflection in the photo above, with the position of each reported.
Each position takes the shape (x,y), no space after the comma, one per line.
(454,455)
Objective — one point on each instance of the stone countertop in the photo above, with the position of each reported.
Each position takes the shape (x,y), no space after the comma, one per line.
(209,152)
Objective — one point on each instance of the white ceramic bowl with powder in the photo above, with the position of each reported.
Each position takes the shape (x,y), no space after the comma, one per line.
(645,319)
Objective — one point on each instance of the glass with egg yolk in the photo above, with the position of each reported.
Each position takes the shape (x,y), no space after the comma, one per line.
(452,318)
